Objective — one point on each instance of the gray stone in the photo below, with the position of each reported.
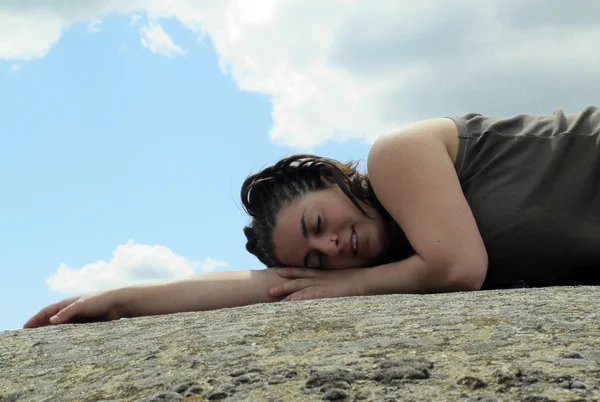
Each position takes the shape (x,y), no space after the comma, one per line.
(520,344)
(166,397)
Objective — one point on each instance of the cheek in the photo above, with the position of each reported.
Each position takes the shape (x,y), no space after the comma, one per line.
(378,236)
(336,219)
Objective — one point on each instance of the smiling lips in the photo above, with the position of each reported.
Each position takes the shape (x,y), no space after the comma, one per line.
(354,242)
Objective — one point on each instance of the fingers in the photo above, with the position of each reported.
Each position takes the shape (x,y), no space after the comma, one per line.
(40,318)
(43,317)
(307,294)
(303,278)
(292,286)
(66,313)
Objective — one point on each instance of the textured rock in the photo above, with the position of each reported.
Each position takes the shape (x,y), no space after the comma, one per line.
(513,345)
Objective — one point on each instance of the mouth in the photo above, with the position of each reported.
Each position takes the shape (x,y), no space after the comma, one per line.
(354,242)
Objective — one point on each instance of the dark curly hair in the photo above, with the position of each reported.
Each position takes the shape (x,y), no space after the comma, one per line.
(265,193)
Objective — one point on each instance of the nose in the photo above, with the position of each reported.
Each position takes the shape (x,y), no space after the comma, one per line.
(328,245)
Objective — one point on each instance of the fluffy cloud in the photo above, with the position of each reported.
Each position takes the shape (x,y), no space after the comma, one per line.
(134,19)
(343,69)
(130,264)
(94,25)
(158,41)
(15,67)
(210,264)
(19,41)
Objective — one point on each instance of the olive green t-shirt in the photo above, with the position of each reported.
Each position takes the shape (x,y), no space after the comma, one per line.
(533,184)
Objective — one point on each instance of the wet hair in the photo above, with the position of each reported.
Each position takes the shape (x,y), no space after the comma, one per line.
(265,193)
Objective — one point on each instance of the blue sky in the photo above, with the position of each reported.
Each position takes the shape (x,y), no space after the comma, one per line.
(128,127)
(103,141)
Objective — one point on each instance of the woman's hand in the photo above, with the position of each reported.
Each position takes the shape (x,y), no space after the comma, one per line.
(99,306)
(308,283)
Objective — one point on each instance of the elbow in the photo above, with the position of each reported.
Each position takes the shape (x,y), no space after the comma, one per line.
(468,276)
(456,277)
(462,275)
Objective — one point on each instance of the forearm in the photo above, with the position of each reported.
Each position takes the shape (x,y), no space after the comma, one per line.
(411,275)
(202,292)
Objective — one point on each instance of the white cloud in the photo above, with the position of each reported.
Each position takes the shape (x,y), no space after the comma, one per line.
(134,19)
(158,41)
(341,69)
(19,42)
(210,264)
(15,67)
(94,25)
(130,264)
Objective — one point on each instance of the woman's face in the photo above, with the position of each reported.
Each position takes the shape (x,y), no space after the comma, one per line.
(324,229)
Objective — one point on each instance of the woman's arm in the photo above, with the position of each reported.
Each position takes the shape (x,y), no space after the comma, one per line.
(412,172)
(202,292)
(411,275)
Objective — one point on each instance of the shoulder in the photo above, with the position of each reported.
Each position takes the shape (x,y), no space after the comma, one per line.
(413,176)
(431,134)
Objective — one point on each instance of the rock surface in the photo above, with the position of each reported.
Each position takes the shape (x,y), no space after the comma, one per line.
(529,345)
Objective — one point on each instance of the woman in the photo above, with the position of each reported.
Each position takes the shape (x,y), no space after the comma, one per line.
(451,204)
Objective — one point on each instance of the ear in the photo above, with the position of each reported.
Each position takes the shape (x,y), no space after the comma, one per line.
(250,239)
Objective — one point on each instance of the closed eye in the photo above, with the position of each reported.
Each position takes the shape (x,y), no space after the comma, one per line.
(305,233)
(318,253)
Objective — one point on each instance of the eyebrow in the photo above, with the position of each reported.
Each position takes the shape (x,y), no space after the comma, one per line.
(305,235)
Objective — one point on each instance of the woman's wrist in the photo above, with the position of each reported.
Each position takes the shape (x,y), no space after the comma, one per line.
(126,299)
